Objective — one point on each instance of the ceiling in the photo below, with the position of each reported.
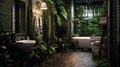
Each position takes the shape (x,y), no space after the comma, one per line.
(89,1)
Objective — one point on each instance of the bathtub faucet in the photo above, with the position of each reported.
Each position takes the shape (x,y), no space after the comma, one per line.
(92,36)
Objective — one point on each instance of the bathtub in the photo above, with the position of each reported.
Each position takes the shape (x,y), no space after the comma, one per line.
(82,42)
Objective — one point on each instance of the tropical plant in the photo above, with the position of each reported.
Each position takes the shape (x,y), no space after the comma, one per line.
(46,49)
(36,36)
(103,62)
(78,20)
(60,11)
(77,24)
(59,16)
(5,37)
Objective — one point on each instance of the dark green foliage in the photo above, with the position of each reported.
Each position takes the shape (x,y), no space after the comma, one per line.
(45,49)
(5,37)
(103,62)
(60,31)
(59,18)
(86,21)
(59,11)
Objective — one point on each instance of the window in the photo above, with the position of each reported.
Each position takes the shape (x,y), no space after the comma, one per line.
(88,16)
(19,17)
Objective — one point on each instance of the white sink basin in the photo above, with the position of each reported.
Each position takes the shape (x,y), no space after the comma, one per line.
(26,41)
(25,45)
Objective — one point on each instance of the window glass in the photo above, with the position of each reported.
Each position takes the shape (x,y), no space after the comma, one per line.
(88,20)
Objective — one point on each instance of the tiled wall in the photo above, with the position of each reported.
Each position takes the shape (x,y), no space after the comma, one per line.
(114,33)
(5,15)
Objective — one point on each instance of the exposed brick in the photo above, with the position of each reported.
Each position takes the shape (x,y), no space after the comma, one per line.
(6,16)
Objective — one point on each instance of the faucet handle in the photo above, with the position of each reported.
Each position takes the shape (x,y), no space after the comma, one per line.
(28,38)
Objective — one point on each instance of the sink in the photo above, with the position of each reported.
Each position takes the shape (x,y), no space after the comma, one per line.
(26,41)
(25,45)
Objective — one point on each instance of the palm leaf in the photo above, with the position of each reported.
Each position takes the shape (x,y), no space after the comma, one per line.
(60,2)
(59,20)
(63,12)
(51,1)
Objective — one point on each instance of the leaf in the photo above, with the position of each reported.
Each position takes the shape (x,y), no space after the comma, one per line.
(63,12)
(60,11)
(60,2)
(51,1)
(63,15)
(55,11)
(59,20)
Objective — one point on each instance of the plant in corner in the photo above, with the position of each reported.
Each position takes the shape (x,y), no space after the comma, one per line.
(103,62)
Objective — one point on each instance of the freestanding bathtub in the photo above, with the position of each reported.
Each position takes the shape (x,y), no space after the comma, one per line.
(84,42)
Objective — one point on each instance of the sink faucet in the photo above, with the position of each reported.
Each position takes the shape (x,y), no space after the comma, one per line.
(28,38)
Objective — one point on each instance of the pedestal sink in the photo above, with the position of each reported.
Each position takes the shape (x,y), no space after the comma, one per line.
(25,45)
(27,41)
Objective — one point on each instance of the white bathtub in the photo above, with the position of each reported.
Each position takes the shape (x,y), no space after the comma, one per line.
(82,42)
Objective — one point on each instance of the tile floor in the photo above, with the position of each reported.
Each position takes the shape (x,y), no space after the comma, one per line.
(70,59)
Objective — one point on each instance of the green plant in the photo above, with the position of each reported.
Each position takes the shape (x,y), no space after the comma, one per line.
(77,24)
(103,62)
(93,27)
(59,11)
(36,36)
(59,16)
(78,20)
(5,37)
(47,49)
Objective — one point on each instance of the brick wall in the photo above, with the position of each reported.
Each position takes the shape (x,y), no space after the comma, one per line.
(114,33)
(5,15)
